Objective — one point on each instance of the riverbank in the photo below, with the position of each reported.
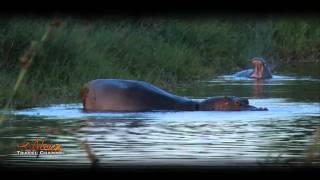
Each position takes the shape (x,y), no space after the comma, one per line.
(164,51)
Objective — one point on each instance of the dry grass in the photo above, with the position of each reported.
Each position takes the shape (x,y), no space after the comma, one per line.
(25,63)
(314,149)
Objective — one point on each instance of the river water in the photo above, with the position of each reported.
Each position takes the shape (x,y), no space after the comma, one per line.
(283,136)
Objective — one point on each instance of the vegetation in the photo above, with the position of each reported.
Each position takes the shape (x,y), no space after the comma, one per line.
(161,50)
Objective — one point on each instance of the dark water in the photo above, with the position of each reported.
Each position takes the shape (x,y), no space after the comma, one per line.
(283,136)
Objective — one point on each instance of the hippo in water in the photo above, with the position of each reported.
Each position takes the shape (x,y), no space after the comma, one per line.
(117,95)
(261,70)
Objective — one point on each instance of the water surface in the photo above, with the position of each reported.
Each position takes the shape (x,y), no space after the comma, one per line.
(283,136)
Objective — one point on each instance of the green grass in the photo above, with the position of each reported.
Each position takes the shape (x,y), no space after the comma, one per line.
(161,50)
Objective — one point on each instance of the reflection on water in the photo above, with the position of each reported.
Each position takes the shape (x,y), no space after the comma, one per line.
(283,135)
(289,87)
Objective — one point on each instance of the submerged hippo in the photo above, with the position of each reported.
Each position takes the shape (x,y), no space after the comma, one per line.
(132,96)
(261,70)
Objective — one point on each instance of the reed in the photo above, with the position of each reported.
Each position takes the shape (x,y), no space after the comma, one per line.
(314,149)
(25,62)
(90,154)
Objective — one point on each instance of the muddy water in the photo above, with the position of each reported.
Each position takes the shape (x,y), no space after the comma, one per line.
(283,136)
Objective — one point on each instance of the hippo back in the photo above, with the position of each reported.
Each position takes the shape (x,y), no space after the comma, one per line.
(245,73)
(130,95)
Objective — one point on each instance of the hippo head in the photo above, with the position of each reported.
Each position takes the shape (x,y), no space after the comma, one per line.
(227,103)
(261,69)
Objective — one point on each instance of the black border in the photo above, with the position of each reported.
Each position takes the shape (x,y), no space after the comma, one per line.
(158,171)
(160,7)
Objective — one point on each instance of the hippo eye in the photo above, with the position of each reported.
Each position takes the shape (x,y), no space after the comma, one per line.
(237,103)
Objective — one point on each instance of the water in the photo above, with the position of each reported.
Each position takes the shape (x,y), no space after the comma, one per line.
(283,136)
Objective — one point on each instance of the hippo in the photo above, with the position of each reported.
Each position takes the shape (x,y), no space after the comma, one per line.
(120,95)
(261,70)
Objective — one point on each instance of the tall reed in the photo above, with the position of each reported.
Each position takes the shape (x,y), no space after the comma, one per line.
(25,62)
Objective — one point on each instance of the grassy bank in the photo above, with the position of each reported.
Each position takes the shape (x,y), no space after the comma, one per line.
(160,50)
